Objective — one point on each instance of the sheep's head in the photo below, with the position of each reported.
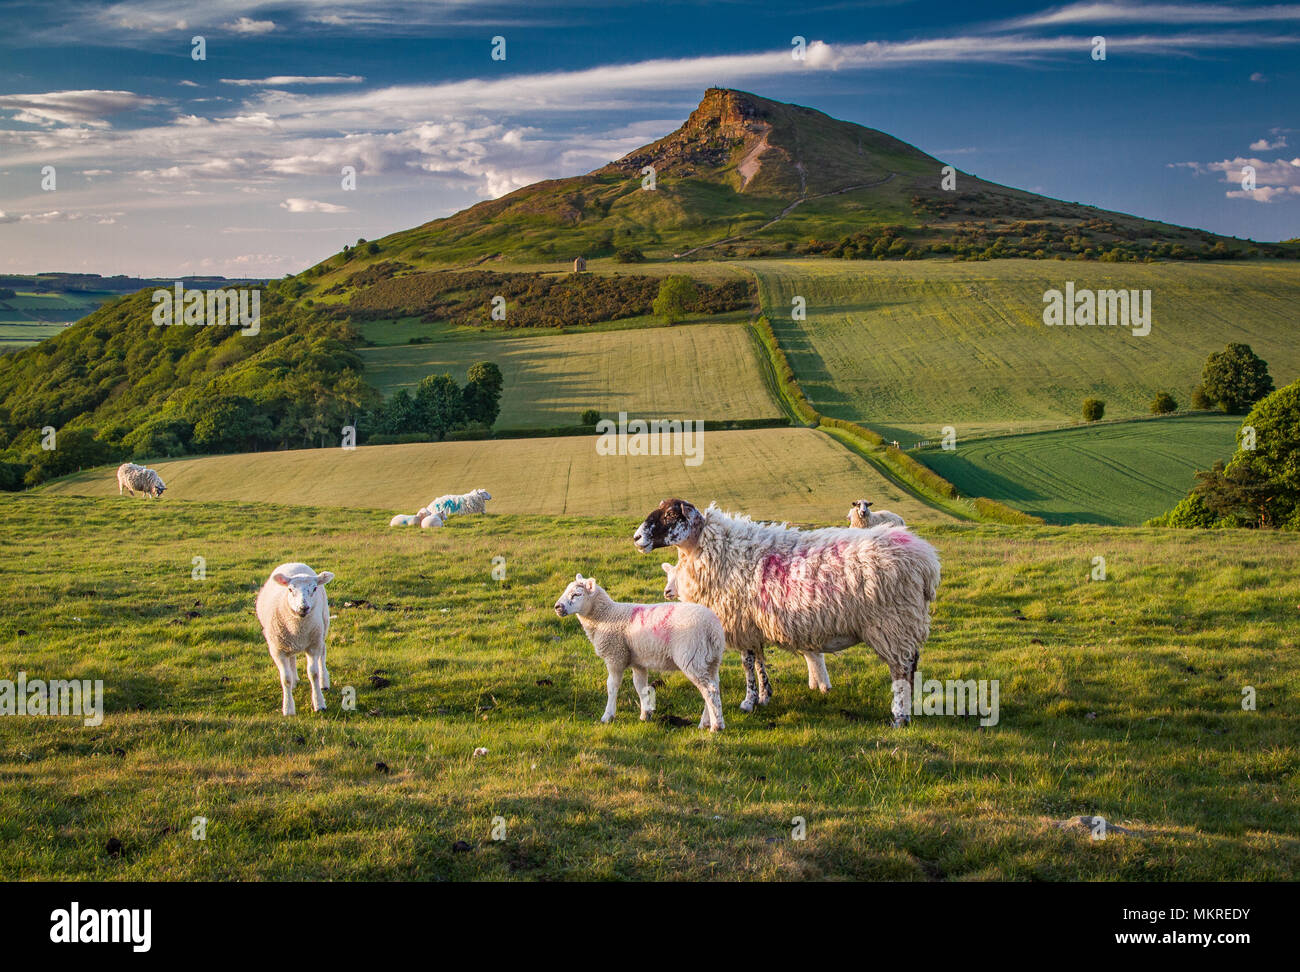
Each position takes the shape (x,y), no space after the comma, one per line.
(670,582)
(672,523)
(300,590)
(577,596)
(158,488)
(862,508)
(484,494)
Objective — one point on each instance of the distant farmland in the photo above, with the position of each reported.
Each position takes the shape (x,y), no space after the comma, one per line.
(908,347)
(1118,474)
(702,371)
(746,470)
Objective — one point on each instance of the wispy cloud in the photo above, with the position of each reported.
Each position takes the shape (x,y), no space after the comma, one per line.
(246,25)
(1157,13)
(285,80)
(89,108)
(297,205)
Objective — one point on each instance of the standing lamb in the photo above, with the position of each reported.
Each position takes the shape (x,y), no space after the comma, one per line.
(475,501)
(861,516)
(811,591)
(131,478)
(294,611)
(662,637)
(755,662)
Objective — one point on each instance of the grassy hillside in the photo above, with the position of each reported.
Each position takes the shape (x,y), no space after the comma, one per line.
(705,372)
(1118,474)
(749,470)
(907,348)
(1119,698)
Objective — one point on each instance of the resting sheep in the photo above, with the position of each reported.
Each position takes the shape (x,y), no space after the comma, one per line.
(810,591)
(295,615)
(861,516)
(432,520)
(663,637)
(404,519)
(133,478)
(475,501)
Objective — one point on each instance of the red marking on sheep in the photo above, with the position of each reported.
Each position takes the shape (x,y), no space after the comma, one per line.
(657,623)
(901,536)
(811,573)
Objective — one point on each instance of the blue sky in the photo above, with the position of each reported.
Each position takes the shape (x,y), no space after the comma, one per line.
(165,165)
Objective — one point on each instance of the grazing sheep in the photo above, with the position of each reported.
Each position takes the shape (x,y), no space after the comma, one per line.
(404,519)
(861,516)
(431,521)
(663,637)
(295,615)
(817,675)
(810,591)
(133,478)
(474,501)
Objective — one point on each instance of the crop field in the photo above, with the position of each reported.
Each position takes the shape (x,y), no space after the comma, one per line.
(703,371)
(57,307)
(909,347)
(1120,474)
(746,470)
(1121,698)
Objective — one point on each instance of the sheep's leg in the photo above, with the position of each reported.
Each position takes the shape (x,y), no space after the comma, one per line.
(817,675)
(764,686)
(314,676)
(324,672)
(902,673)
(644,691)
(712,695)
(287,666)
(751,684)
(611,691)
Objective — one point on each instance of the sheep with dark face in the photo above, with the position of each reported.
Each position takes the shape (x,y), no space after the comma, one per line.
(861,516)
(133,479)
(809,591)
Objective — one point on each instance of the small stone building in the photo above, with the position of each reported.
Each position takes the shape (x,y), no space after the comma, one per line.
(579,265)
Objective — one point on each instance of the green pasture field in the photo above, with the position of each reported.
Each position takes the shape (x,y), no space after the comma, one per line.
(1120,698)
(1121,473)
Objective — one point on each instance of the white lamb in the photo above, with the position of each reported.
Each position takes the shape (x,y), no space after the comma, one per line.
(133,478)
(862,516)
(807,591)
(404,519)
(432,520)
(670,582)
(475,501)
(663,637)
(294,611)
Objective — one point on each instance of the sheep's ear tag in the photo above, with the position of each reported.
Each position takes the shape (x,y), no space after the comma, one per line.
(591,583)
(281,579)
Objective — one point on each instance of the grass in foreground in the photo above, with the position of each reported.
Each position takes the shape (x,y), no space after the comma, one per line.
(1119,698)
(1124,473)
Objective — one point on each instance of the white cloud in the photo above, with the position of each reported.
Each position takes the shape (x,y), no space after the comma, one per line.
(1258,78)
(284,80)
(1157,13)
(1264,145)
(296,205)
(87,107)
(1273,180)
(1263,194)
(246,25)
